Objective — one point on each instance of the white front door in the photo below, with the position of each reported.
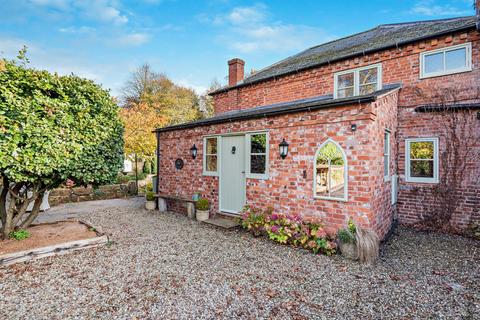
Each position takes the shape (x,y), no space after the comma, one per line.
(232,174)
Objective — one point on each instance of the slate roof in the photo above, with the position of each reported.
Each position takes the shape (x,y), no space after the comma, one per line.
(379,38)
(310,104)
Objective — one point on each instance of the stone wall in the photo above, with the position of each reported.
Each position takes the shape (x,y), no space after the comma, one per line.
(79,194)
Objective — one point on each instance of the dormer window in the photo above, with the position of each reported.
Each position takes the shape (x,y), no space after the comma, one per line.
(358,81)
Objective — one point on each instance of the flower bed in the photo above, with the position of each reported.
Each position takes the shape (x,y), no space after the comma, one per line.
(288,229)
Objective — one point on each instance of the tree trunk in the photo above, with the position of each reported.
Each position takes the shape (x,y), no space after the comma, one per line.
(34,213)
(3,203)
(14,213)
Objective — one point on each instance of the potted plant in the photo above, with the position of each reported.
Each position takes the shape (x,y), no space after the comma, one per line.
(202,206)
(150,203)
(347,241)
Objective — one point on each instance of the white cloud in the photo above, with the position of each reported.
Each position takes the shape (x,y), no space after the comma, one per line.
(79,30)
(244,15)
(98,10)
(186,83)
(429,8)
(132,39)
(57,4)
(248,30)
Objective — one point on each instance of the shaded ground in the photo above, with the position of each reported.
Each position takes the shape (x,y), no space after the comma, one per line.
(166,266)
(48,234)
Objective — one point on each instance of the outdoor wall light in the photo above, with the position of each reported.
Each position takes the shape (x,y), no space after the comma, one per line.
(193,151)
(353,127)
(283,148)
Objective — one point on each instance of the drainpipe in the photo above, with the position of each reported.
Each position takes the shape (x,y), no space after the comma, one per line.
(158,163)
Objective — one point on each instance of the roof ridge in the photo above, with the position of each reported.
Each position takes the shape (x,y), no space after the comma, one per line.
(423,21)
(305,50)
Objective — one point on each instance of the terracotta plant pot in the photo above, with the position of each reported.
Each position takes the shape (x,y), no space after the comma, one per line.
(150,205)
(349,250)
(202,215)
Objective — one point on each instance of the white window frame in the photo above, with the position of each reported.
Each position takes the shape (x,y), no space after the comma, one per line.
(356,78)
(387,154)
(408,177)
(248,153)
(211,173)
(345,178)
(468,65)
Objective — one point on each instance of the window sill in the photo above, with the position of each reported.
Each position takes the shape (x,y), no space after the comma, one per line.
(441,74)
(419,180)
(257,176)
(210,174)
(330,198)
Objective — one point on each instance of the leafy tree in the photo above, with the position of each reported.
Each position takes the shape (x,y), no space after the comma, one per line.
(52,128)
(139,121)
(174,103)
(206,101)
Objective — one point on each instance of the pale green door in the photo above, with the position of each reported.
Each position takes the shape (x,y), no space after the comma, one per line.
(232,174)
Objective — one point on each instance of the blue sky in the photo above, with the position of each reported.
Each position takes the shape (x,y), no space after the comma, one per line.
(189,40)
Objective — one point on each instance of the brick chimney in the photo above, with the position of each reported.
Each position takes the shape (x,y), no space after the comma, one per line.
(236,71)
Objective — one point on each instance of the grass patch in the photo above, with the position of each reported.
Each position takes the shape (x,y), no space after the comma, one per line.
(19,235)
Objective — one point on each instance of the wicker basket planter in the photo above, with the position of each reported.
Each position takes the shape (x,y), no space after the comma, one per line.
(348,250)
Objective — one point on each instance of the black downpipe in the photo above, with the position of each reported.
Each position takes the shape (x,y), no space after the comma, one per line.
(158,164)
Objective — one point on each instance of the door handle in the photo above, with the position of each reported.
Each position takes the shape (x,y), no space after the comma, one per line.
(243,172)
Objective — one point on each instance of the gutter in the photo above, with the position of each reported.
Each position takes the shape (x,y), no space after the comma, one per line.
(307,106)
(353,55)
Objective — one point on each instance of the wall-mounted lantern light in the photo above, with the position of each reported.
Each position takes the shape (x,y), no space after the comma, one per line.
(283,148)
(353,127)
(193,151)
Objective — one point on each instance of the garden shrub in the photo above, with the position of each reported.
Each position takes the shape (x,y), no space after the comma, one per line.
(147,167)
(202,204)
(288,229)
(150,196)
(347,235)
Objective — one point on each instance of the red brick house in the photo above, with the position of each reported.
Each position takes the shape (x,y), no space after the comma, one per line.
(362,142)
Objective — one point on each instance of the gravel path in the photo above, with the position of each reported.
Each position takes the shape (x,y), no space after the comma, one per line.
(165,266)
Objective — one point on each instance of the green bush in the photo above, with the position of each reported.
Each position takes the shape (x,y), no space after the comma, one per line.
(154,167)
(19,234)
(53,128)
(345,236)
(150,196)
(121,178)
(202,204)
(147,167)
(288,229)
(149,187)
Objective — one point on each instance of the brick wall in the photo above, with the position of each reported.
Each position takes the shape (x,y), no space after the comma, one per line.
(399,65)
(289,188)
(416,198)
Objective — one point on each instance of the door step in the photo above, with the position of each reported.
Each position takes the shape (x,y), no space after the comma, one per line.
(226,223)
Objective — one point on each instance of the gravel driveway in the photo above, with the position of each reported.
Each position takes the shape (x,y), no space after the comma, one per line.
(165,266)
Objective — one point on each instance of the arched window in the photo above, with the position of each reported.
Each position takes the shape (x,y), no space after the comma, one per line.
(330,172)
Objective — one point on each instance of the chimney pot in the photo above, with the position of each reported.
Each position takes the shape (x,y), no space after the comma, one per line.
(236,71)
